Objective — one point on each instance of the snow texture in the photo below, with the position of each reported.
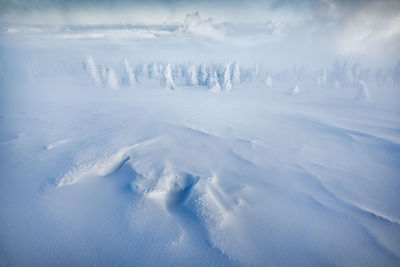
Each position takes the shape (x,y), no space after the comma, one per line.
(134,160)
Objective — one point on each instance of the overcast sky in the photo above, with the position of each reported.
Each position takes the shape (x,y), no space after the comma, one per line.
(358,27)
(116,11)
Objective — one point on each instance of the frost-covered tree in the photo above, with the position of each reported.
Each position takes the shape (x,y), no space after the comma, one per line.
(318,81)
(108,77)
(226,79)
(103,74)
(337,71)
(268,81)
(347,74)
(365,75)
(363,94)
(179,72)
(130,75)
(388,78)
(254,74)
(154,71)
(191,78)
(161,68)
(278,76)
(144,70)
(213,84)
(203,75)
(356,69)
(299,73)
(92,70)
(236,74)
(343,74)
(295,90)
(336,83)
(167,80)
(112,81)
(322,77)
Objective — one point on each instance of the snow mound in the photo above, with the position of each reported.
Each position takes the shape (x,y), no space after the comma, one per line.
(100,167)
(174,187)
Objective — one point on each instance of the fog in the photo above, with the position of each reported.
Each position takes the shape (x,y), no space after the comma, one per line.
(312,33)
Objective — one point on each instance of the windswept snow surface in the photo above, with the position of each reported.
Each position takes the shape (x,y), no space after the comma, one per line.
(144,176)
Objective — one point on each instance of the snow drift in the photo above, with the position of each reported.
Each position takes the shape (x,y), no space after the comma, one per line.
(128,157)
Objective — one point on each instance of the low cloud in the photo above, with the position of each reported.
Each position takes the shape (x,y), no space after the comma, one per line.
(195,25)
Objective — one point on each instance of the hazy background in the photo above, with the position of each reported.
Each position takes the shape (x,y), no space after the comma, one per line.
(310,32)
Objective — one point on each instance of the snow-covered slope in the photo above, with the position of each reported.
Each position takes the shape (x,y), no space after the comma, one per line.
(142,175)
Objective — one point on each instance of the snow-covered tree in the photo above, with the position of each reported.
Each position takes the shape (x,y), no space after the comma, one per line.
(191,78)
(144,70)
(203,75)
(254,74)
(112,81)
(179,72)
(388,78)
(213,84)
(365,75)
(108,77)
(295,90)
(363,94)
(226,79)
(130,75)
(322,77)
(278,76)
(336,83)
(154,71)
(161,68)
(356,69)
(92,70)
(236,74)
(167,80)
(299,73)
(337,71)
(347,74)
(318,81)
(103,74)
(268,81)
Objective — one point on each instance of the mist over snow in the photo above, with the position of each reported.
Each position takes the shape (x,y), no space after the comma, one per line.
(188,133)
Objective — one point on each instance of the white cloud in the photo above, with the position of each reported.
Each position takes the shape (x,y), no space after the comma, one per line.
(193,24)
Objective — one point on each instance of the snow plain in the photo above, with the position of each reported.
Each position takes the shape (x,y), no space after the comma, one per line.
(143,176)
